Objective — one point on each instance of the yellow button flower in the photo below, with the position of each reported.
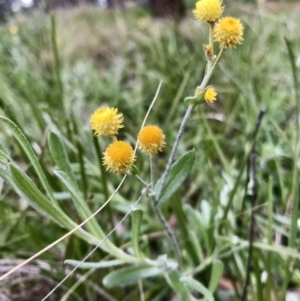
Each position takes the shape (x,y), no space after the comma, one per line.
(13,29)
(118,157)
(210,95)
(106,121)
(228,32)
(151,139)
(208,10)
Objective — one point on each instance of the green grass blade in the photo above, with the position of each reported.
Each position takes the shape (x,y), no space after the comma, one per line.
(27,190)
(183,225)
(173,279)
(18,134)
(199,287)
(80,204)
(137,218)
(178,173)
(95,265)
(131,275)
(85,212)
(216,274)
(60,157)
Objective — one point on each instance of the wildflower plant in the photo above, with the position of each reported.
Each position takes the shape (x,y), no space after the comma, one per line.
(119,157)
(178,268)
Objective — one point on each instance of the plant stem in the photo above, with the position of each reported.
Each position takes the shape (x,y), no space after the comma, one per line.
(151,173)
(168,230)
(160,216)
(104,186)
(211,44)
(174,149)
(183,124)
(141,180)
(56,57)
(245,161)
(252,168)
(295,188)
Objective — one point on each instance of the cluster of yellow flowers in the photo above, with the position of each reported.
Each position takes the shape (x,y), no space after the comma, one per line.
(119,155)
(227,31)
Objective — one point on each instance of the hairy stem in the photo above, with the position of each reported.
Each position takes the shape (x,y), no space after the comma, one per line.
(183,124)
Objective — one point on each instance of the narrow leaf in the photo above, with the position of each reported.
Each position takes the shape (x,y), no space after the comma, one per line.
(85,212)
(26,189)
(183,226)
(94,265)
(198,223)
(4,158)
(197,286)
(18,134)
(59,155)
(80,204)
(173,280)
(216,274)
(137,217)
(178,173)
(131,275)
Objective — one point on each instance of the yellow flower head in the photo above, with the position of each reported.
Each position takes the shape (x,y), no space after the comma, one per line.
(118,157)
(151,139)
(208,10)
(228,32)
(13,29)
(106,121)
(210,95)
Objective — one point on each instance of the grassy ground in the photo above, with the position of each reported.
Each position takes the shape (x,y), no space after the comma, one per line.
(119,59)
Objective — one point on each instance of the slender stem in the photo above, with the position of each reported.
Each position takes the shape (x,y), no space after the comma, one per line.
(245,161)
(56,57)
(82,169)
(211,70)
(95,248)
(141,180)
(252,221)
(168,230)
(252,169)
(183,124)
(174,149)
(295,188)
(258,122)
(211,44)
(104,186)
(210,34)
(101,167)
(160,216)
(141,289)
(151,173)
(270,241)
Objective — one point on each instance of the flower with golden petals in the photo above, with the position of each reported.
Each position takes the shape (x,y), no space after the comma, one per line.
(151,139)
(210,95)
(106,121)
(208,10)
(118,157)
(228,32)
